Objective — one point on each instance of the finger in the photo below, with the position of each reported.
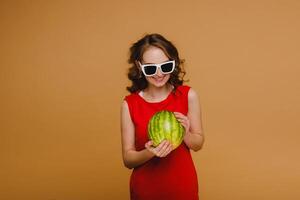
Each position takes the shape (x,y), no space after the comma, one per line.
(161,148)
(155,149)
(168,150)
(162,143)
(150,148)
(179,116)
(183,122)
(177,113)
(148,144)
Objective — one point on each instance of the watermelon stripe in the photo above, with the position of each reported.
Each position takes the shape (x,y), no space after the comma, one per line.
(158,128)
(170,126)
(154,133)
(173,125)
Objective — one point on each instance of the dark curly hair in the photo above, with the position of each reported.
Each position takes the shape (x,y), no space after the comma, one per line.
(135,75)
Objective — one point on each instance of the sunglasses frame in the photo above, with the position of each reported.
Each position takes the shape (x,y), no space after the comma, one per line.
(158,66)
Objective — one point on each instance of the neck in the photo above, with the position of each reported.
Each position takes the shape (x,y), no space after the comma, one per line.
(157,93)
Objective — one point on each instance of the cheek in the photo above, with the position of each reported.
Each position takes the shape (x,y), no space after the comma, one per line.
(148,78)
(167,77)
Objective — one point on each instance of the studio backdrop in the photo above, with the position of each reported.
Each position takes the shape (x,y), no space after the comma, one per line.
(63,68)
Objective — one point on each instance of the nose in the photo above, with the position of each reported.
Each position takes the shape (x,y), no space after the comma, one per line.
(158,73)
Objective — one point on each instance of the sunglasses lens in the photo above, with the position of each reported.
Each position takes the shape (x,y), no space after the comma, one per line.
(166,68)
(150,69)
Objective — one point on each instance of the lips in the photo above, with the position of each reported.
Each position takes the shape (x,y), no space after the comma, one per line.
(158,79)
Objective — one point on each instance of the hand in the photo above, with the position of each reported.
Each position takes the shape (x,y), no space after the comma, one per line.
(162,150)
(184,120)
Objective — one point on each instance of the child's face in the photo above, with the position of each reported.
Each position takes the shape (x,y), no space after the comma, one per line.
(155,55)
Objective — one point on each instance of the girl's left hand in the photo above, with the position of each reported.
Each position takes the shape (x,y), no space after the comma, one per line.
(184,120)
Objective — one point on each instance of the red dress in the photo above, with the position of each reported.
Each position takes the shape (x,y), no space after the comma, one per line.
(170,178)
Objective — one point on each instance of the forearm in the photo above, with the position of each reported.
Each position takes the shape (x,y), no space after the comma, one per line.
(133,158)
(194,141)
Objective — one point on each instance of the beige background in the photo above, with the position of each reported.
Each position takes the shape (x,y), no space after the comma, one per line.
(63,77)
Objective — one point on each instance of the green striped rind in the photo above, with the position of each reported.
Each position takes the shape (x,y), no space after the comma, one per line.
(164,125)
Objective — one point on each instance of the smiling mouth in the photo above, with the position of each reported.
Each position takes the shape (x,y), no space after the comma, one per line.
(159,78)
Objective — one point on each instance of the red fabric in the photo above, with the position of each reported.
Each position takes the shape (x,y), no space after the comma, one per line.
(172,177)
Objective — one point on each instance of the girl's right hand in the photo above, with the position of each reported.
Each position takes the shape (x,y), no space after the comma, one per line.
(162,150)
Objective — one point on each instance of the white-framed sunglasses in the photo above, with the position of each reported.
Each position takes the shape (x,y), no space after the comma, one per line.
(151,69)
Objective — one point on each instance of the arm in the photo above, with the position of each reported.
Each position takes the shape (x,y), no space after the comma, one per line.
(131,157)
(194,136)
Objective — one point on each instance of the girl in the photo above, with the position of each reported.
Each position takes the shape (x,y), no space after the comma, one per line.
(159,173)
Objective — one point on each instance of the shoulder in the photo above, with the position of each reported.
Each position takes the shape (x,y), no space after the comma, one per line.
(193,98)
(130,102)
(182,90)
(192,94)
(126,106)
(189,92)
(130,97)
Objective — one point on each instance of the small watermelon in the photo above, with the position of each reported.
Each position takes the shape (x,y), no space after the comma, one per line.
(164,125)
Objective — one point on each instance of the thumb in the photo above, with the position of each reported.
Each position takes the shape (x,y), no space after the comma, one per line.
(148,144)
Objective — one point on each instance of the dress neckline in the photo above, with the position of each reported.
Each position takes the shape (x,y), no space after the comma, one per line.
(157,102)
